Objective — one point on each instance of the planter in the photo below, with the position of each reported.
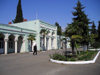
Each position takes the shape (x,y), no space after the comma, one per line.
(76,62)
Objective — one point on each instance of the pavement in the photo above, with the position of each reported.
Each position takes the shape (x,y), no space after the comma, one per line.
(29,64)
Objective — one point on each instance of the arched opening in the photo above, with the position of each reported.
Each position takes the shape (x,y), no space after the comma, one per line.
(11,44)
(1,43)
(19,46)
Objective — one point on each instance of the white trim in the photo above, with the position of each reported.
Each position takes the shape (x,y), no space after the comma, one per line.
(76,62)
(48,27)
(94,49)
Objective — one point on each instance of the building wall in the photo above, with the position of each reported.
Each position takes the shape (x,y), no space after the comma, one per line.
(37,25)
(34,27)
(8,30)
(30,27)
(51,28)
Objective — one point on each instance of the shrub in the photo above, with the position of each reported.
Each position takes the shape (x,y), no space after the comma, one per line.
(71,59)
(58,56)
(96,45)
(87,55)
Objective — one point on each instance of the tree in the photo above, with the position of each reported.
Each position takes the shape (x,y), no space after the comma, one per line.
(44,32)
(82,21)
(31,38)
(93,34)
(19,15)
(59,30)
(71,31)
(76,39)
(93,30)
(99,31)
(79,26)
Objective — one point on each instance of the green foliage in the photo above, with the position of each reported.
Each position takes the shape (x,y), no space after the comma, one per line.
(84,55)
(58,56)
(88,55)
(59,30)
(93,30)
(44,32)
(99,31)
(78,30)
(31,37)
(93,38)
(19,15)
(81,21)
(96,44)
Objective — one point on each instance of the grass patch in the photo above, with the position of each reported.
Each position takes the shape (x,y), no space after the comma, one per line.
(57,56)
(87,55)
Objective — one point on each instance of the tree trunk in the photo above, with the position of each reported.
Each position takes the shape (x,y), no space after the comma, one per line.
(73,47)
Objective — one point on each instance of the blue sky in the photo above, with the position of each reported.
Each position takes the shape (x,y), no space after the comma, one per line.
(50,11)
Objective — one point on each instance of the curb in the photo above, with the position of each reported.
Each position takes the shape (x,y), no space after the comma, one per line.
(76,62)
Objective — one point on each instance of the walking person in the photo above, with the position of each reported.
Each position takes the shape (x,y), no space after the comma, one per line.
(35,50)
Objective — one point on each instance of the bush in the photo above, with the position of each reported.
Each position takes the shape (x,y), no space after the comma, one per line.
(71,59)
(57,56)
(96,45)
(88,55)
(84,55)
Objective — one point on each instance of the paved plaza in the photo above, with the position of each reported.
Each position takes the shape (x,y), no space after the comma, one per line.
(28,64)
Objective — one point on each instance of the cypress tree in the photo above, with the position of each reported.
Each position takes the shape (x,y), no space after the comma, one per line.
(19,15)
(93,30)
(99,31)
(59,30)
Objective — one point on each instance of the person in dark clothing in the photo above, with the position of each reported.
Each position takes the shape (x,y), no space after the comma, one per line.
(35,50)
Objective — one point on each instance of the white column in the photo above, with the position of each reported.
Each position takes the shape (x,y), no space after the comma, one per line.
(6,47)
(6,43)
(16,40)
(16,46)
(45,43)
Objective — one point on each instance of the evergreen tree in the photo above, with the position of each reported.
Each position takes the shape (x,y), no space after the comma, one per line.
(82,22)
(79,26)
(59,30)
(96,38)
(99,31)
(19,15)
(93,30)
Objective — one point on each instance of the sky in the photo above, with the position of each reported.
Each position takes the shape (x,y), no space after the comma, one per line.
(49,11)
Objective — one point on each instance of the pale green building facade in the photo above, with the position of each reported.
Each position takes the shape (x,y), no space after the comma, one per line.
(14,37)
